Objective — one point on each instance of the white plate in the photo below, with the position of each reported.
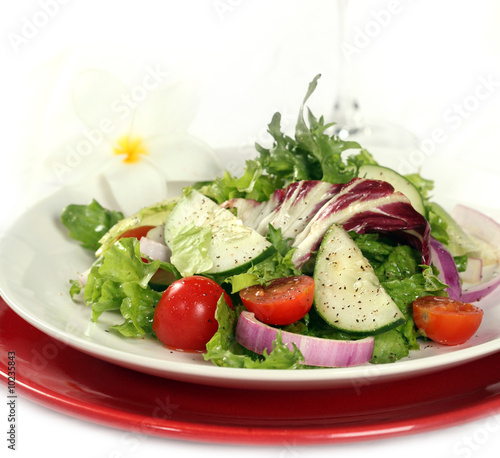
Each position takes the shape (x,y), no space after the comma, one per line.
(37,259)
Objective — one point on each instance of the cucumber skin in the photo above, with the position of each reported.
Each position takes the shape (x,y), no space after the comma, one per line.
(323,264)
(399,183)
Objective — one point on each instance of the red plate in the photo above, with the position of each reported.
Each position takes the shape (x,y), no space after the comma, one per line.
(76,384)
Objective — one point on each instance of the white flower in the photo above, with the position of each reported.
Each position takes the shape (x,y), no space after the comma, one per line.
(135,137)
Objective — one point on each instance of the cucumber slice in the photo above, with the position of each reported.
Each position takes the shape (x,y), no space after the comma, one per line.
(348,294)
(233,246)
(399,183)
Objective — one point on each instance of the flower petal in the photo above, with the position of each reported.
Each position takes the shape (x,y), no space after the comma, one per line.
(166,109)
(135,185)
(103,103)
(184,158)
(74,159)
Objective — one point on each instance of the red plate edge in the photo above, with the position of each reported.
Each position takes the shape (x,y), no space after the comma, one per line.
(226,434)
(426,413)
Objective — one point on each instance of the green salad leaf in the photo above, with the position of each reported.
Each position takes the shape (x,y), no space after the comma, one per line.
(447,231)
(390,347)
(312,155)
(89,223)
(119,281)
(253,184)
(190,249)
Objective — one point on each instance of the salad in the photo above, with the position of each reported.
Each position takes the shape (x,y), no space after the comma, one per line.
(316,256)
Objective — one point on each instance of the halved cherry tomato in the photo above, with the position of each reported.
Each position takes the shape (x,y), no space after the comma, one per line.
(445,320)
(282,301)
(136,232)
(184,318)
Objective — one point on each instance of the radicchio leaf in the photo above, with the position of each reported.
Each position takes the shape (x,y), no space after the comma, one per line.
(306,209)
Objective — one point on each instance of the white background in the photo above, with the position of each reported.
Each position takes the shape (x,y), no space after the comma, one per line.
(431,67)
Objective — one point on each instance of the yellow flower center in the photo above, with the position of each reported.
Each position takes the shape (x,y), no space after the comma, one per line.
(132,148)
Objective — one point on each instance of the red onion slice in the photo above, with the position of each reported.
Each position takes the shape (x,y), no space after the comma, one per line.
(488,230)
(447,268)
(474,271)
(478,292)
(478,224)
(157,234)
(257,336)
(154,250)
(83,277)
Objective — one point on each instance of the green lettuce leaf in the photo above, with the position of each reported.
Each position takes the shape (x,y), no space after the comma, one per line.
(327,150)
(253,184)
(137,308)
(282,160)
(88,223)
(119,281)
(122,263)
(449,233)
(190,250)
(389,347)
(312,155)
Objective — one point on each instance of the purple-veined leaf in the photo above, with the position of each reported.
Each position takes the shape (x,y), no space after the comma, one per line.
(306,209)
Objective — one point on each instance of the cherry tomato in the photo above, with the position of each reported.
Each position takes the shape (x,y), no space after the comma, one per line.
(282,301)
(445,320)
(136,232)
(184,318)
